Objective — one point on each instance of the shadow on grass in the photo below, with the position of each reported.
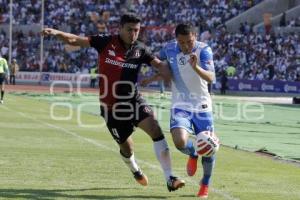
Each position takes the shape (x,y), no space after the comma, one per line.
(45,194)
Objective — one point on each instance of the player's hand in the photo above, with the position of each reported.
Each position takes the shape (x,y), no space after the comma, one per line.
(193,60)
(49,31)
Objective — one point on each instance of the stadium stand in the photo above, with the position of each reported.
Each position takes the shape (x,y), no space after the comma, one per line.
(254,55)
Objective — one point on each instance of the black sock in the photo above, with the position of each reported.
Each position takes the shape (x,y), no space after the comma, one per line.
(2,94)
(159,138)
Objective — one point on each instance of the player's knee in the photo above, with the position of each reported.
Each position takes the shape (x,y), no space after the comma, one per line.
(179,144)
(156,130)
(126,152)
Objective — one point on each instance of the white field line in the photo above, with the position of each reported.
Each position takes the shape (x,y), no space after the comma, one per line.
(225,195)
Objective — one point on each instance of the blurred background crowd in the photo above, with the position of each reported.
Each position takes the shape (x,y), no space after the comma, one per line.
(245,54)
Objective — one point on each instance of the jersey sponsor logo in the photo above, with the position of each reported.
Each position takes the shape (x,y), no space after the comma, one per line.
(121,64)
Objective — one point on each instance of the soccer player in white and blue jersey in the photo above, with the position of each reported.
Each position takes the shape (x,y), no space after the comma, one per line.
(192,68)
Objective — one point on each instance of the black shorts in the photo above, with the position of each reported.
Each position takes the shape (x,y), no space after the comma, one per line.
(2,78)
(121,120)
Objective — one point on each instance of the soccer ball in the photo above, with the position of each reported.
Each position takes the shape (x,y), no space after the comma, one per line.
(207,143)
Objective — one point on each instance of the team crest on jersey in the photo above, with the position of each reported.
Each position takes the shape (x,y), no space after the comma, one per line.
(111,53)
(182,60)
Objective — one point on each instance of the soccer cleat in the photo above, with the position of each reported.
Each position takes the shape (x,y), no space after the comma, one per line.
(174,183)
(191,166)
(1,102)
(140,178)
(203,191)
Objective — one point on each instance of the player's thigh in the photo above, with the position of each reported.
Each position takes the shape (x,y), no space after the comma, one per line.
(203,122)
(144,119)
(180,126)
(181,119)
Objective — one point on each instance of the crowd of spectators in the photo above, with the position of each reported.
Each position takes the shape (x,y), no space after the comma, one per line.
(254,56)
(77,16)
(58,58)
(293,22)
(257,56)
(24,12)
(4,11)
(206,14)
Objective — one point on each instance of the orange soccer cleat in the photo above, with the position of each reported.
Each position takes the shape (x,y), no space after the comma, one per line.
(203,191)
(191,166)
(140,178)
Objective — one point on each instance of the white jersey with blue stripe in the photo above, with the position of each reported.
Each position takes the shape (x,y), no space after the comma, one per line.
(189,90)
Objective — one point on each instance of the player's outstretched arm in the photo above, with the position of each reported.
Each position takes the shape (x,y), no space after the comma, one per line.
(67,38)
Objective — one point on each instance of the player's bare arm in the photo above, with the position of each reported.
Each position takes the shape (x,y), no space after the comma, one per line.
(206,75)
(163,69)
(67,38)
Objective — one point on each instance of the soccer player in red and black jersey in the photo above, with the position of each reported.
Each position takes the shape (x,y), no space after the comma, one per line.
(122,107)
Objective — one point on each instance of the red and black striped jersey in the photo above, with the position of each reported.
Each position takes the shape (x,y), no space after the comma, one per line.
(118,67)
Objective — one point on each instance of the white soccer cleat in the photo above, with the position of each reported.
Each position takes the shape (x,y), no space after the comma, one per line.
(1,101)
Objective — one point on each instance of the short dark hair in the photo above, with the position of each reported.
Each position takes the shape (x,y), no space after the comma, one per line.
(184,29)
(130,18)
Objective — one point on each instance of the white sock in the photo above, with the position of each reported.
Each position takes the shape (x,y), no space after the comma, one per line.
(130,162)
(163,156)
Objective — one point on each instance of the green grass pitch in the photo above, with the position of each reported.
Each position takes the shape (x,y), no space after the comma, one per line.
(42,158)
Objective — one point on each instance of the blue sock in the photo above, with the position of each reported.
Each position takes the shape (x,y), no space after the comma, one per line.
(208,165)
(189,149)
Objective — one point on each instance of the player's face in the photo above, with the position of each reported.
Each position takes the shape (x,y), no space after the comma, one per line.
(186,42)
(129,32)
